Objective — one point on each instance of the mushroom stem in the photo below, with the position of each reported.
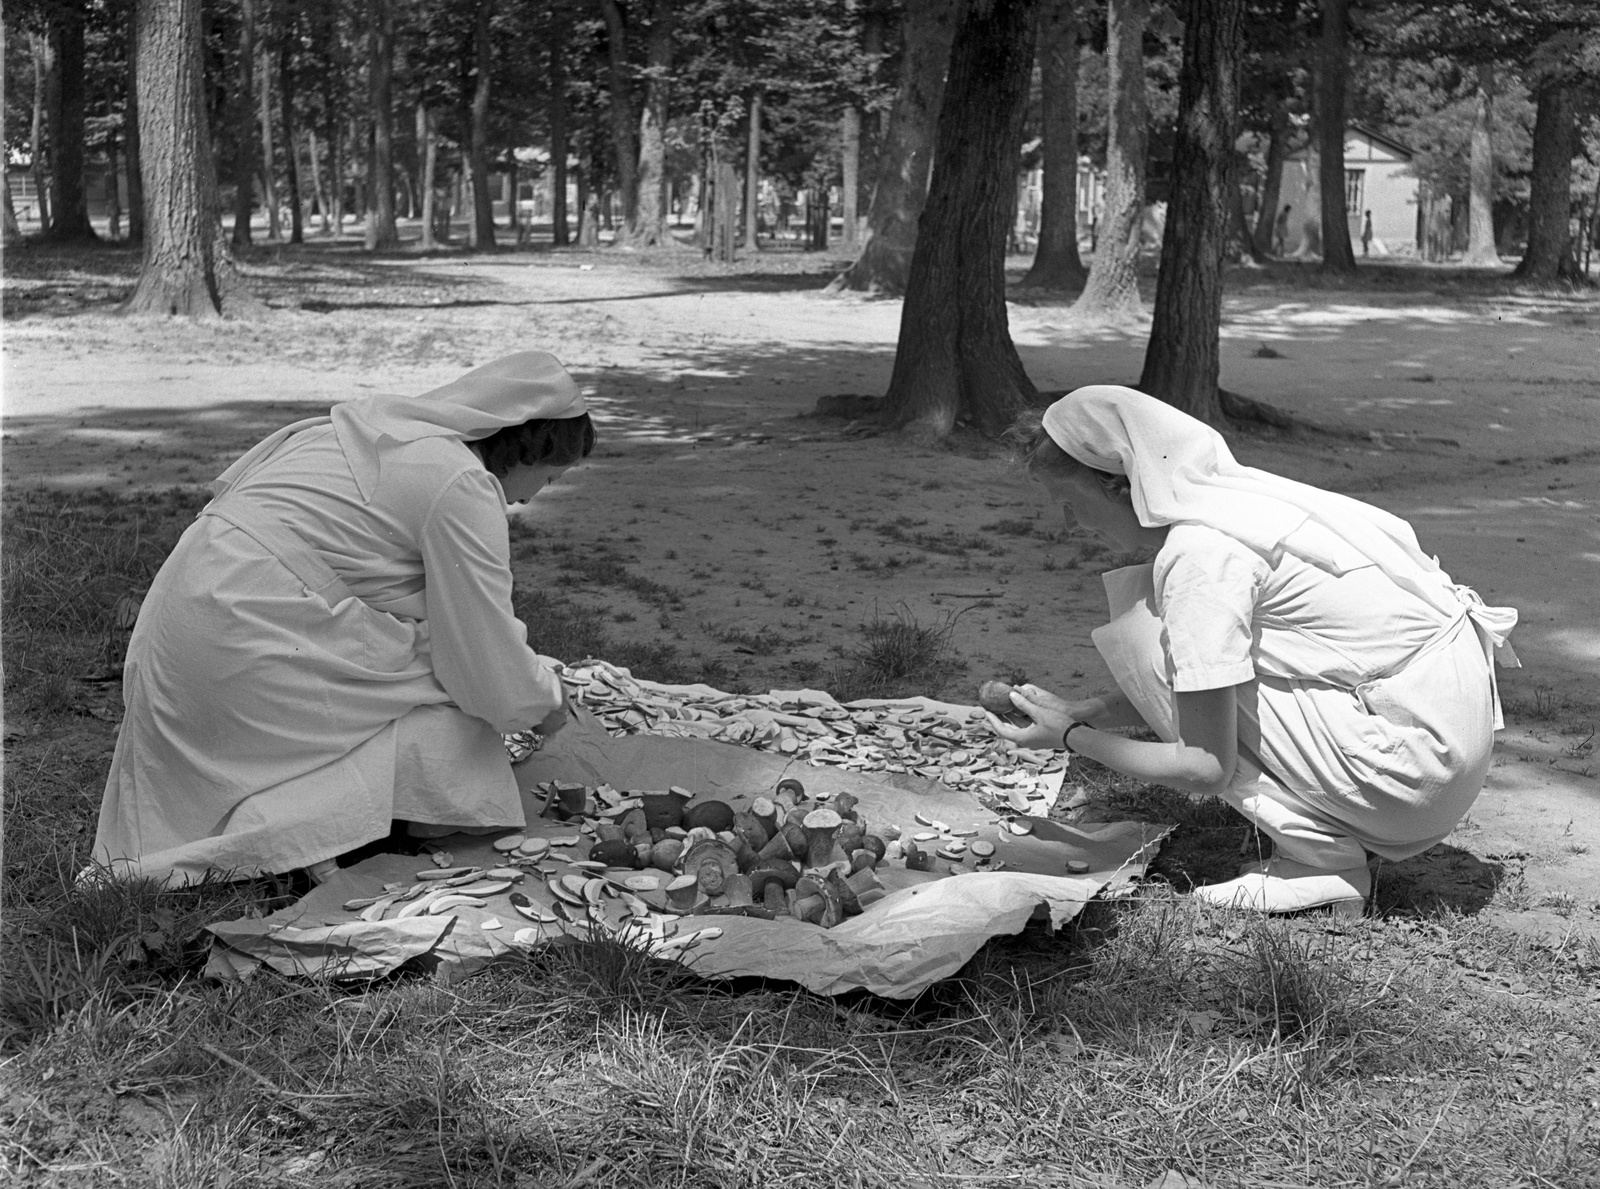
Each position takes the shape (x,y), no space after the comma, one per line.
(822,828)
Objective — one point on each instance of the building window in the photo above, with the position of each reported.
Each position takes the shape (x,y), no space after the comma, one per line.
(1354,183)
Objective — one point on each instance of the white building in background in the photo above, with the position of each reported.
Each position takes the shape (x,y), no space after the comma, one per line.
(1377,178)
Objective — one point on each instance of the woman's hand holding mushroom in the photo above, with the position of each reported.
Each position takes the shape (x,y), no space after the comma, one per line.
(1051,716)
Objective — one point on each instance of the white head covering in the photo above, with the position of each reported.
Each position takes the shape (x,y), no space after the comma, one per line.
(505,392)
(1182,472)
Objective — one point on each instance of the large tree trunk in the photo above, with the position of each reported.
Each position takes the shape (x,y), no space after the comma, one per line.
(269,163)
(483,61)
(1112,292)
(69,202)
(381,230)
(429,149)
(648,225)
(1182,360)
(849,173)
(907,152)
(1332,63)
(1056,263)
(291,151)
(187,267)
(38,149)
(955,359)
(1549,253)
(621,107)
(558,127)
(244,126)
(1272,185)
(1481,248)
(752,175)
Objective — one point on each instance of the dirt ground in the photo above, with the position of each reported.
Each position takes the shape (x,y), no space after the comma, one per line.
(1471,411)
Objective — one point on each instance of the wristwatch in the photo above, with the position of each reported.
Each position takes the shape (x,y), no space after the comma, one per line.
(1066,735)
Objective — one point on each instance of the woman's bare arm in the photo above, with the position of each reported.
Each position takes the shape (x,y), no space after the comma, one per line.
(1201,762)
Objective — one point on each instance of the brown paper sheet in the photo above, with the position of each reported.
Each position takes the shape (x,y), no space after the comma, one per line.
(924,930)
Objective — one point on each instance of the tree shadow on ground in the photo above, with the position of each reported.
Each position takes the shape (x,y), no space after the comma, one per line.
(1441,880)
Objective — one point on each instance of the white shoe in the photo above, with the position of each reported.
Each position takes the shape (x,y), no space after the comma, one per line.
(1281,885)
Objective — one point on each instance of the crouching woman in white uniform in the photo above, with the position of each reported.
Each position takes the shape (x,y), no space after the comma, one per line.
(331,645)
(1294,650)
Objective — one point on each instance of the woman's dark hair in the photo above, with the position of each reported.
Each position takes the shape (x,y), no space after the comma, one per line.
(557,441)
(1035,450)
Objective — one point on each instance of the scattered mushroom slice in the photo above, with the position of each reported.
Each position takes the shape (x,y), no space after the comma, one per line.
(642,882)
(514,874)
(375,910)
(1019,826)
(532,911)
(982,849)
(510,842)
(445,873)
(361,902)
(559,889)
(925,835)
(526,936)
(1077,866)
(454,900)
(490,923)
(492,887)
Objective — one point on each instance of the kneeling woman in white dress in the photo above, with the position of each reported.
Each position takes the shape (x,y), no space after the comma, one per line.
(331,645)
(1294,650)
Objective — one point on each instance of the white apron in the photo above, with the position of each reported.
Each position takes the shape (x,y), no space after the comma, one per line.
(1389,767)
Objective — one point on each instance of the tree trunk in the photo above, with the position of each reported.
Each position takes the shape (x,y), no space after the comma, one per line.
(1549,253)
(1332,64)
(903,162)
(1183,360)
(187,267)
(338,164)
(621,107)
(291,151)
(558,127)
(69,203)
(850,173)
(752,175)
(1481,249)
(317,191)
(244,126)
(114,200)
(430,161)
(130,138)
(43,74)
(11,233)
(955,359)
(509,188)
(1056,264)
(1112,292)
(483,61)
(1264,235)
(647,224)
(269,162)
(381,230)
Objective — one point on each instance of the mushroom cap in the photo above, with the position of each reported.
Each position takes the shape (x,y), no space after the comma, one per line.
(823,819)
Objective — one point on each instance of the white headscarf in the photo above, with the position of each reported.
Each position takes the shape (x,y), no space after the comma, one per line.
(1182,472)
(505,392)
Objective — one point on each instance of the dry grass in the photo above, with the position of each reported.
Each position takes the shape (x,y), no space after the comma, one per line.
(1401,1050)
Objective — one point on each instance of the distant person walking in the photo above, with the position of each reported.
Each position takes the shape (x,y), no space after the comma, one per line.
(1280,230)
(1366,234)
